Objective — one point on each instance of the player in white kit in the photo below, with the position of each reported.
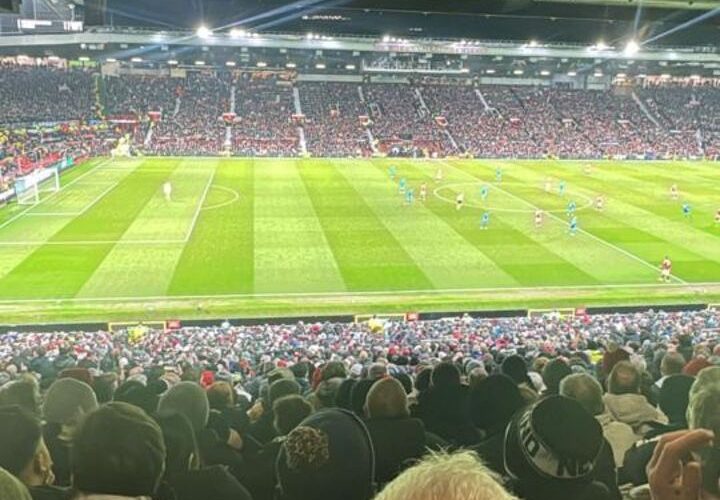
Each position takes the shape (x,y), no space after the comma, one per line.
(423,192)
(167,190)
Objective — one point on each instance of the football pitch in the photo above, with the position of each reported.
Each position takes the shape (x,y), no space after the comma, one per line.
(247,237)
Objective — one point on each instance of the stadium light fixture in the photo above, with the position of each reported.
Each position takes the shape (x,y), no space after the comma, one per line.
(204,32)
(309,36)
(230,64)
(320,66)
(136,59)
(601,45)
(291,65)
(517,72)
(261,64)
(237,33)
(172,62)
(620,75)
(695,77)
(545,72)
(598,74)
(199,63)
(572,73)
(83,58)
(111,60)
(665,76)
(632,48)
(642,75)
(386,38)
(533,43)
(350,67)
(490,71)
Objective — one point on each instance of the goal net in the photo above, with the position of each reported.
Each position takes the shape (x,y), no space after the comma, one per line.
(31,188)
(562,313)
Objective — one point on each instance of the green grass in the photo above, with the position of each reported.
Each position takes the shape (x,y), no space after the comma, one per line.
(246,237)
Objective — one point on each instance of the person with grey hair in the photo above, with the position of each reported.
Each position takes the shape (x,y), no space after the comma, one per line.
(587,391)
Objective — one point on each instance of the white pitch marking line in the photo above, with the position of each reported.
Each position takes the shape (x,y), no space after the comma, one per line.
(99,197)
(54,193)
(236,196)
(596,238)
(199,206)
(392,293)
(52,214)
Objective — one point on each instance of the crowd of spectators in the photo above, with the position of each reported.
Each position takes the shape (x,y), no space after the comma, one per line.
(544,407)
(333,124)
(43,94)
(264,124)
(423,117)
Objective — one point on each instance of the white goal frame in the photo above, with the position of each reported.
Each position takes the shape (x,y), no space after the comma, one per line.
(28,189)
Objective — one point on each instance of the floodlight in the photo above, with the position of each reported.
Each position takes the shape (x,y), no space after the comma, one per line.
(632,48)
(204,32)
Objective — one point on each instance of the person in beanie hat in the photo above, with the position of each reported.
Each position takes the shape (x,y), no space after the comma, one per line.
(117,451)
(491,405)
(551,450)
(189,399)
(66,402)
(553,373)
(329,456)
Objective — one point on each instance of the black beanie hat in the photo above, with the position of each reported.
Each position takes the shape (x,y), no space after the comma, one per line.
(328,456)
(554,441)
(493,402)
(514,367)
(674,396)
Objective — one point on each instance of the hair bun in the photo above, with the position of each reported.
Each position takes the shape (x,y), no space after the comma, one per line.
(306,447)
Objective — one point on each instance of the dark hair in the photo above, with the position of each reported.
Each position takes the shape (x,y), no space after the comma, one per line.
(137,394)
(282,387)
(23,393)
(405,380)
(445,374)
(358,395)
(20,434)
(555,370)
(422,380)
(624,379)
(289,412)
(180,443)
(300,370)
(334,369)
(118,450)
(344,392)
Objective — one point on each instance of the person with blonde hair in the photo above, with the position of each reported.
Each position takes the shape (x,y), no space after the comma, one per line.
(444,476)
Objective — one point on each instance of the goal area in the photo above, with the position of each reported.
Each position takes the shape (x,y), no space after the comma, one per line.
(30,189)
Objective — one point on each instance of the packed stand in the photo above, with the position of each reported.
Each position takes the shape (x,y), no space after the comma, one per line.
(398,117)
(197,128)
(333,125)
(264,124)
(43,94)
(536,408)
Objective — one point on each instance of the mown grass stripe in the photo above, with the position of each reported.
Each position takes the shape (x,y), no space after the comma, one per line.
(369,256)
(443,254)
(219,256)
(61,271)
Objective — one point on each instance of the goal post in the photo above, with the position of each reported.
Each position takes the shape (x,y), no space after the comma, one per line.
(29,189)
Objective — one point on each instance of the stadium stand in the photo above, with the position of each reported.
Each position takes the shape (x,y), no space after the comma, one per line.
(255,114)
(233,411)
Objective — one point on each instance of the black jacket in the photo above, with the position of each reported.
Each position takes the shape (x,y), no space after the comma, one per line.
(214,483)
(397,441)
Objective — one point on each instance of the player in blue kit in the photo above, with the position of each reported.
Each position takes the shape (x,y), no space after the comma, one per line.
(573,226)
(409,196)
(403,185)
(484,192)
(687,210)
(561,188)
(498,175)
(485,220)
(571,207)
(392,171)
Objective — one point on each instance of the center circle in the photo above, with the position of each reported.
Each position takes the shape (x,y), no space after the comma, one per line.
(475,186)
